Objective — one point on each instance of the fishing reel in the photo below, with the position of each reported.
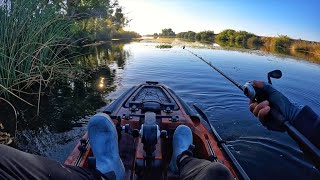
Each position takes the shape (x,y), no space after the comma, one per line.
(257,94)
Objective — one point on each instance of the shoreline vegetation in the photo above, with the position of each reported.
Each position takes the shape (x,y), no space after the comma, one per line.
(164,46)
(39,41)
(229,38)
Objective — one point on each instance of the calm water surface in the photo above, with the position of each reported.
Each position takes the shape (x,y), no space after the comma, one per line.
(262,153)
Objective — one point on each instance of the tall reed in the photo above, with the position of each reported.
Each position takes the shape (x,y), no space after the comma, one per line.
(33,37)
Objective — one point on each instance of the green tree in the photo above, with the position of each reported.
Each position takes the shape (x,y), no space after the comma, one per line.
(168,32)
(191,35)
(198,37)
(206,36)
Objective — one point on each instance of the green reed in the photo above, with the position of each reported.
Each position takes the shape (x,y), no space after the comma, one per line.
(33,39)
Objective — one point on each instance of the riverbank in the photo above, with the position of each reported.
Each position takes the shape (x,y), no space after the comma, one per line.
(308,51)
(133,63)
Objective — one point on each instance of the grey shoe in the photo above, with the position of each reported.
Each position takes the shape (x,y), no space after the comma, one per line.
(182,139)
(103,139)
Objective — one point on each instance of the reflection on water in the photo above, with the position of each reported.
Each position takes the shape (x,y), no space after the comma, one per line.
(264,154)
(67,102)
(273,50)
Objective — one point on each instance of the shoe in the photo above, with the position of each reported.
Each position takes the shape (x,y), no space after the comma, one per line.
(182,139)
(103,139)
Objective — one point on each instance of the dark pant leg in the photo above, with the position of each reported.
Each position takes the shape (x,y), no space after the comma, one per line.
(201,169)
(15,164)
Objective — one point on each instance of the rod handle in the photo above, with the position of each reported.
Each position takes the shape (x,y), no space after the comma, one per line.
(306,146)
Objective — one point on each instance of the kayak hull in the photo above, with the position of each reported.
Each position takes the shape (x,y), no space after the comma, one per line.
(153,103)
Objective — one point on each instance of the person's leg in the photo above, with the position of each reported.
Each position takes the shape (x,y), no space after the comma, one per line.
(15,164)
(103,139)
(190,167)
(181,141)
(201,169)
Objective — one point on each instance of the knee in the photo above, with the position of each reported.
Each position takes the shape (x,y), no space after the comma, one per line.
(4,149)
(219,171)
(7,151)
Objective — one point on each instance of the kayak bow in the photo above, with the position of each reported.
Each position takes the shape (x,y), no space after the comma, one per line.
(146,117)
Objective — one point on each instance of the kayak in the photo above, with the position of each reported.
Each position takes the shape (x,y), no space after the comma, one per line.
(146,117)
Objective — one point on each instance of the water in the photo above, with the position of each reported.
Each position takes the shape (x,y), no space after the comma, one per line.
(263,154)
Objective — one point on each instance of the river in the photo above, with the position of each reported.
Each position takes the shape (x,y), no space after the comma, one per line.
(263,154)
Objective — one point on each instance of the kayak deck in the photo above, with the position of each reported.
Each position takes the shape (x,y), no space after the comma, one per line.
(152,104)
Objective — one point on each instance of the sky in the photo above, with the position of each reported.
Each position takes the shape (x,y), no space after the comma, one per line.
(295,18)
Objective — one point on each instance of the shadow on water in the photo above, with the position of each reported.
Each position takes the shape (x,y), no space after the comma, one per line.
(67,103)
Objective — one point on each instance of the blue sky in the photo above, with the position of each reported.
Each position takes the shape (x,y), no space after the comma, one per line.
(297,19)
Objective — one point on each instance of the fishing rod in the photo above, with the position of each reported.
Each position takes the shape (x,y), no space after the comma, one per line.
(258,95)
(218,70)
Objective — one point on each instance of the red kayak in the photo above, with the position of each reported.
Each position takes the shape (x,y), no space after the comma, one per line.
(146,117)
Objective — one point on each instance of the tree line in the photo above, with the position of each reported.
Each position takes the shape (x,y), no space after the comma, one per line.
(244,39)
(98,19)
(165,33)
(203,36)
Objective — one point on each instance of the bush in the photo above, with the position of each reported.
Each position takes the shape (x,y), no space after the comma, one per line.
(190,35)
(204,36)
(232,35)
(168,33)
(226,35)
(198,37)
(126,35)
(207,36)
(302,46)
(254,41)
(281,42)
(306,47)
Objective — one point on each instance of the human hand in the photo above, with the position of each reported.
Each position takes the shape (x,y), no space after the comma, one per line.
(275,100)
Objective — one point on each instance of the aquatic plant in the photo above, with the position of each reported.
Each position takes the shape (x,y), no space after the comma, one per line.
(33,39)
(163,46)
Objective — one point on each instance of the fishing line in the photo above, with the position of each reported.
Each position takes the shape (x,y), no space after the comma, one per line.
(216,69)
(257,95)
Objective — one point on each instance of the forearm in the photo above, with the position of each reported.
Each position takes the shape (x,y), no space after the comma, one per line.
(307,123)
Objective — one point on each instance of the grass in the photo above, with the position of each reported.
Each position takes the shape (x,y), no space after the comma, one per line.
(281,42)
(305,46)
(32,44)
(163,46)
(279,45)
(163,40)
(299,48)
